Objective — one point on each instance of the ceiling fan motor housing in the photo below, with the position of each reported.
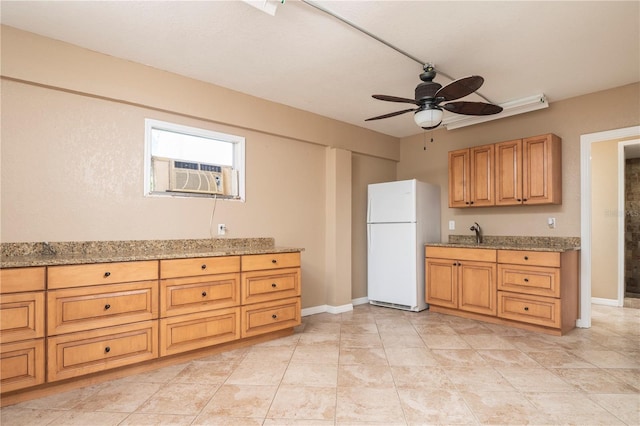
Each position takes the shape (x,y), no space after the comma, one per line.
(426,90)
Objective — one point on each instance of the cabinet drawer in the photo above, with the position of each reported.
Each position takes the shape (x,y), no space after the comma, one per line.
(270,261)
(457,253)
(21,316)
(180,296)
(79,309)
(175,268)
(531,309)
(536,280)
(261,286)
(76,354)
(16,280)
(101,273)
(265,317)
(533,258)
(21,365)
(194,331)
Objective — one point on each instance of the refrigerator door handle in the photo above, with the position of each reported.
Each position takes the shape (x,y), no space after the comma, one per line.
(368,238)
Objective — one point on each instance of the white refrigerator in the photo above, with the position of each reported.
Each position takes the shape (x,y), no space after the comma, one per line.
(402,217)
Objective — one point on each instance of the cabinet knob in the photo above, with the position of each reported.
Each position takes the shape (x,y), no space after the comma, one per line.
(466,202)
(526,308)
(274,261)
(519,200)
(471,202)
(274,316)
(107,274)
(526,258)
(107,306)
(107,350)
(526,280)
(204,267)
(204,294)
(524,200)
(274,285)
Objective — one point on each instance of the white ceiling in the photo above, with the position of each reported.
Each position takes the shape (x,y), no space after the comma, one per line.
(307,59)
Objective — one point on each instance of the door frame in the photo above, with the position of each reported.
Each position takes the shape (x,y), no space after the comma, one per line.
(585,213)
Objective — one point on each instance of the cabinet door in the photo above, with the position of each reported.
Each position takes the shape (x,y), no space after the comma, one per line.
(482,181)
(21,316)
(509,173)
(441,282)
(477,287)
(459,175)
(21,364)
(541,170)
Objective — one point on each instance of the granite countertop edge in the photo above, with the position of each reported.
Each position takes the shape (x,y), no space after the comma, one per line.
(79,259)
(505,246)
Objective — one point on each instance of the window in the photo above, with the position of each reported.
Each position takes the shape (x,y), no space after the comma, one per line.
(190,162)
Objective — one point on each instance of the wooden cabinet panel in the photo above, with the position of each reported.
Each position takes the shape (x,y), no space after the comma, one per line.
(477,287)
(78,309)
(101,273)
(529,258)
(261,286)
(509,173)
(542,170)
(193,331)
(539,310)
(14,280)
(482,181)
(76,354)
(266,317)
(529,279)
(22,364)
(459,178)
(180,296)
(441,277)
(455,253)
(270,261)
(176,268)
(21,316)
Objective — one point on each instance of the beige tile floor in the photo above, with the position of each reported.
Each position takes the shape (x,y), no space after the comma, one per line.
(380,366)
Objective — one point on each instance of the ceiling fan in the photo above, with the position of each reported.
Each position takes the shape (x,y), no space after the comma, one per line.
(429,96)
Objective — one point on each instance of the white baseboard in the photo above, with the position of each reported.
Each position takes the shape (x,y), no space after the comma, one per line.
(606,302)
(360,301)
(334,309)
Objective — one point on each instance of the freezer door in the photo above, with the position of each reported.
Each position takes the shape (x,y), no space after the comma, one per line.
(391,264)
(392,202)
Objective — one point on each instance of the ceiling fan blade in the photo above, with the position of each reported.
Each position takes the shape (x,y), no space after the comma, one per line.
(391,114)
(472,108)
(394,99)
(460,88)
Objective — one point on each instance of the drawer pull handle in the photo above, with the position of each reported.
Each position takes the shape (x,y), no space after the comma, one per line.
(107,350)
(274,261)
(107,274)
(107,306)
(204,266)
(274,316)
(204,294)
(526,280)
(526,258)
(526,308)
(274,285)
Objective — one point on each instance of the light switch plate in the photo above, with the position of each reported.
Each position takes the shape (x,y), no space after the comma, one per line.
(452,225)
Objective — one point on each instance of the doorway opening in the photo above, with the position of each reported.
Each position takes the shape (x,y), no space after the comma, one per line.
(629,161)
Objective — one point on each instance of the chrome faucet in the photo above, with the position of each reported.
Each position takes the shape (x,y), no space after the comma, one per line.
(475,227)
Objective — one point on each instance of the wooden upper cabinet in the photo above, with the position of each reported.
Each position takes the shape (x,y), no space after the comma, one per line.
(528,171)
(471,182)
(542,170)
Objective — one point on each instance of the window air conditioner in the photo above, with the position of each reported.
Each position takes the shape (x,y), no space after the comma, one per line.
(202,178)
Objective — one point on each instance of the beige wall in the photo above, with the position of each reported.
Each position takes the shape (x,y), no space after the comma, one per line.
(611,109)
(72,159)
(604,219)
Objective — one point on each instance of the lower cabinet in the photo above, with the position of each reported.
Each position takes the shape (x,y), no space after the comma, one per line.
(21,364)
(76,354)
(537,290)
(90,318)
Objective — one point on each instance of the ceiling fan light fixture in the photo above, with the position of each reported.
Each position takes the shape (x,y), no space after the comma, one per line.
(429,117)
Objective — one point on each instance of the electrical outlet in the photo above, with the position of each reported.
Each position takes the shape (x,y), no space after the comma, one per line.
(222,229)
(551,222)
(452,225)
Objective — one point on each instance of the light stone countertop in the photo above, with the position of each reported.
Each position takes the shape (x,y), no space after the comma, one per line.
(550,244)
(19,255)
